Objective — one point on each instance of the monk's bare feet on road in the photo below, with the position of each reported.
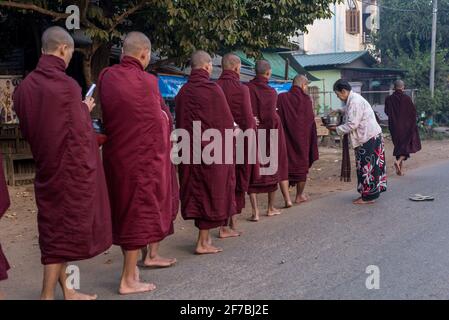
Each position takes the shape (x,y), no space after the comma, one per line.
(301,198)
(75,295)
(397,166)
(207,249)
(360,201)
(273,212)
(288,204)
(159,262)
(132,287)
(226,232)
(254,216)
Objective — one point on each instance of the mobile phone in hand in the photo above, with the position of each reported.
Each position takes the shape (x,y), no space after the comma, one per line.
(91,91)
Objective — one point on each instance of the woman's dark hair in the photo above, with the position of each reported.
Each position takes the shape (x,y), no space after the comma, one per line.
(341,85)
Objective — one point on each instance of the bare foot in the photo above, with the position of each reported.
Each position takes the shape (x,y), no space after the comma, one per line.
(397,166)
(301,198)
(273,212)
(159,262)
(75,295)
(133,287)
(2,296)
(254,218)
(226,232)
(238,230)
(288,204)
(401,168)
(362,202)
(207,249)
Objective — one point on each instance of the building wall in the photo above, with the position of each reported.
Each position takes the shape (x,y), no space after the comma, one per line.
(327,98)
(329,35)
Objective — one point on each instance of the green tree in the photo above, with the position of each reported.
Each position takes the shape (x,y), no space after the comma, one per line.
(401,30)
(404,41)
(177,27)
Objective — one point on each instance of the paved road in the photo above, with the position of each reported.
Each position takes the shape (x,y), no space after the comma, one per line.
(315,251)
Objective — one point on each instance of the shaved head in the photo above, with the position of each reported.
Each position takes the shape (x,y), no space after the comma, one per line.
(134,43)
(54,37)
(300,80)
(399,85)
(262,67)
(200,59)
(230,61)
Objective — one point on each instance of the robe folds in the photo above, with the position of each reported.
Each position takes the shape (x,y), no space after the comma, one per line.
(402,120)
(263,103)
(4,205)
(298,119)
(207,191)
(239,102)
(74,218)
(136,156)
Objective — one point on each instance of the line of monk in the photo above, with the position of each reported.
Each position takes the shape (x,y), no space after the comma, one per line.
(128,195)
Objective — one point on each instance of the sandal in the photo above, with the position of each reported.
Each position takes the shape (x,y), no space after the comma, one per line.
(420,197)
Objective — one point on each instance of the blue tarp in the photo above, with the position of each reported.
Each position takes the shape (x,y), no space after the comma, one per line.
(169,86)
(280,87)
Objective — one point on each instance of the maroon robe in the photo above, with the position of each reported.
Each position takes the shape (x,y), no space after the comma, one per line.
(263,102)
(136,155)
(4,205)
(296,112)
(239,102)
(402,120)
(207,190)
(74,217)
(174,178)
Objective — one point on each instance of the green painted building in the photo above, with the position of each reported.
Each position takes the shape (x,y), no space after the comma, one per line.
(358,67)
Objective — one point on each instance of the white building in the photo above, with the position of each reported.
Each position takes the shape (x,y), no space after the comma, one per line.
(349,29)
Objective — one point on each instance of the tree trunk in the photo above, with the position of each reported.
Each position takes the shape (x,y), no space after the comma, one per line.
(87,69)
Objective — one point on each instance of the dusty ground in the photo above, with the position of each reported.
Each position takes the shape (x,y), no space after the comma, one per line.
(18,230)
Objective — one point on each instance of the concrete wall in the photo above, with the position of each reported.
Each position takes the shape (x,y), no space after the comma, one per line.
(329,35)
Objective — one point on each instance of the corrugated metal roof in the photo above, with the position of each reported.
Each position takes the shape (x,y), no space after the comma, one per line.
(334,59)
(277,63)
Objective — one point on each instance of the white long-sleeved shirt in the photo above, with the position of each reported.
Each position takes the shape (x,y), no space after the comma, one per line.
(360,121)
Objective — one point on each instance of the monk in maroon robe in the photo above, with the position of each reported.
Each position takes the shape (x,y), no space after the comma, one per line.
(298,119)
(74,217)
(402,120)
(207,188)
(4,205)
(137,162)
(239,102)
(264,102)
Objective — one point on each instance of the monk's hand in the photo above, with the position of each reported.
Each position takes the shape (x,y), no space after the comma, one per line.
(257,121)
(90,103)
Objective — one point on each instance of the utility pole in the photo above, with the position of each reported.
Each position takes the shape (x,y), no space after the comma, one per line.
(433,49)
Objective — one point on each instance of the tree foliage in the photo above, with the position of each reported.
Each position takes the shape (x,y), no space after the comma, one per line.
(178,27)
(404,41)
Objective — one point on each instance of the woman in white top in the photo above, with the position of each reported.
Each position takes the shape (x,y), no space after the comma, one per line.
(366,138)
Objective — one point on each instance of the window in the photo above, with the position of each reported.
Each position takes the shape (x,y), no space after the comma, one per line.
(352,18)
